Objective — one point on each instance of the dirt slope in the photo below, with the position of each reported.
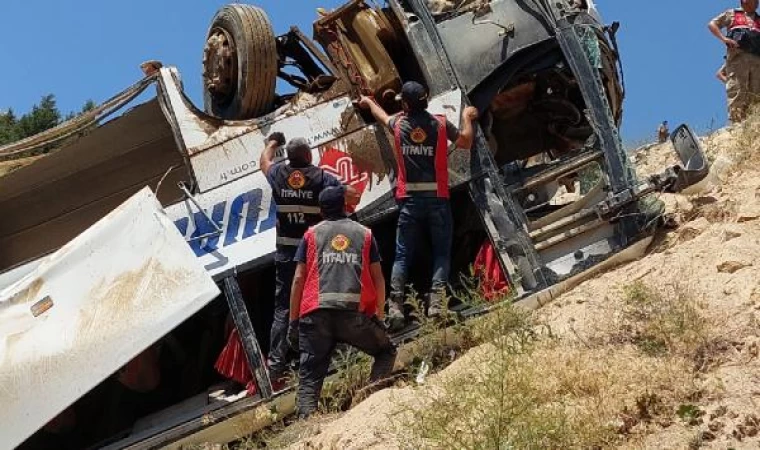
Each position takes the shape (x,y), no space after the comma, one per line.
(712,257)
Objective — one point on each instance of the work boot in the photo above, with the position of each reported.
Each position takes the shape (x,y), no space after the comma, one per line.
(396,319)
(435,304)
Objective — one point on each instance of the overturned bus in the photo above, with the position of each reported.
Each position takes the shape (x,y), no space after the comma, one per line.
(547,184)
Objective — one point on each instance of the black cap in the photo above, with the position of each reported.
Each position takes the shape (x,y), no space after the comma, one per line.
(415,95)
(332,201)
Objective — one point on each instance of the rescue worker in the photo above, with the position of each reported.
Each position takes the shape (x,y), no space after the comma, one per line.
(743,56)
(338,296)
(663,132)
(296,185)
(422,190)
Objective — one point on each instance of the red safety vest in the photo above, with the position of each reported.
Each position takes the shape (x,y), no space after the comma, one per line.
(742,21)
(338,268)
(412,151)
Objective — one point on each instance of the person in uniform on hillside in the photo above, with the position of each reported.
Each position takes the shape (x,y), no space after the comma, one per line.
(296,185)
(663,132)
(338,296)
(422,189)
(743,57)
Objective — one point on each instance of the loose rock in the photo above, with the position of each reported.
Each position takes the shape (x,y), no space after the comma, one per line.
(732,266)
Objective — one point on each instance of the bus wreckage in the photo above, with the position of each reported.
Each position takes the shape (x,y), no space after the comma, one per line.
(147,231)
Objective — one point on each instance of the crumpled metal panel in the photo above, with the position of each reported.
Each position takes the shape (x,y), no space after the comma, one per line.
(502,29)
(91,307)
(46,204)
(227,160)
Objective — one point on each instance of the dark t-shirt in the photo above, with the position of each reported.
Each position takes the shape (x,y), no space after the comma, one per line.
(374,252)
(296,191)
(329,179)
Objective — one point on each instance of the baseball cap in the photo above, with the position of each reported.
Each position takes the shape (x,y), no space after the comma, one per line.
(414,94)
(332,201)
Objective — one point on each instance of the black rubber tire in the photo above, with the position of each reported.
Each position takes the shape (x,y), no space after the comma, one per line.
(257,63)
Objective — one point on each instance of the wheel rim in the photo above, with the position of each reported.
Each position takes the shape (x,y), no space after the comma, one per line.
(220,72)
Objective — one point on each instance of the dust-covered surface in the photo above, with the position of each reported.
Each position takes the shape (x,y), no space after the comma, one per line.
(708,394)
(447,6)
(91,307)
(7,167)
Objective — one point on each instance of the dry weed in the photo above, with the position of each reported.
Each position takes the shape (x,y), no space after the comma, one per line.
(527,389)
(550,395)
(745,148)
(662,321)
(436,338)
(353,368)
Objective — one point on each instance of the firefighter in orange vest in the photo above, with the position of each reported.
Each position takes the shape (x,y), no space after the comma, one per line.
(742,39)
(422,190)
(338,296)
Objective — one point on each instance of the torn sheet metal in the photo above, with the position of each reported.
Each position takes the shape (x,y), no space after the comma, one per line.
(46,204)
(89,308)
(237,154)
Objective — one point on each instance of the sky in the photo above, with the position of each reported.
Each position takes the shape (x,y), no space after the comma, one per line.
(88,49)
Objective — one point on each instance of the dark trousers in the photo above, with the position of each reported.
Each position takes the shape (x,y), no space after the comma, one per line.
(320,332)
(422,218)
(285,269)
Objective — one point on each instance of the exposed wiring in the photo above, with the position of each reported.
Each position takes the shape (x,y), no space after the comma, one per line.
(161,181)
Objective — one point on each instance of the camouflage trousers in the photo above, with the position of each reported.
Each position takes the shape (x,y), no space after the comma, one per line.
(743,86)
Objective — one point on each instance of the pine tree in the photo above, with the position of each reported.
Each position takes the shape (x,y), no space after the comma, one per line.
(8,127)
(89,105)
(43,116)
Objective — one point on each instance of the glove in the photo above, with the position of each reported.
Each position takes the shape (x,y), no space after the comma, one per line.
(277,137)
(292,336)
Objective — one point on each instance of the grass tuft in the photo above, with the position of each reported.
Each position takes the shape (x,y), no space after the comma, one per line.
(746,143)
(667,320)
(527,388)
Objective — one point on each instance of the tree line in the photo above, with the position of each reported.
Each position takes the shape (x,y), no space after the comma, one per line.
(43,116)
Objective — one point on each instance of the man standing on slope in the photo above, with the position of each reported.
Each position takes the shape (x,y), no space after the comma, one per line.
(296,185)
(743,58)
(338,296)
(422,189)
(663,132)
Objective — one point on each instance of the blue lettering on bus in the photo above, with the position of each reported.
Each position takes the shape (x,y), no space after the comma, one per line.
(205,239)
